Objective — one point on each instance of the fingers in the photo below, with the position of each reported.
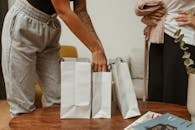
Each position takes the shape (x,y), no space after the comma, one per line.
(99,68)
(99,61)
(184,18)
(182,12)
(184,23)
(95,67)
(104,68)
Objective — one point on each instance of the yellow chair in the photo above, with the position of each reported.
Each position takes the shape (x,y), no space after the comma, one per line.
(65,51)
(68,51)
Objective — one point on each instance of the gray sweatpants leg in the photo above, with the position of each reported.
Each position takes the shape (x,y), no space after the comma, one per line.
(30,47)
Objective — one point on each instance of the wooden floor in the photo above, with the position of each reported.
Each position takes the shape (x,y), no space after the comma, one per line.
(4,115)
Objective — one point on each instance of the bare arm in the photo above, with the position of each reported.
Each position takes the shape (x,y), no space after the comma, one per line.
(81,10)
(64,11)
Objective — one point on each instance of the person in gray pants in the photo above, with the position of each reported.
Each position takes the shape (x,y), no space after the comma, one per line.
(30,47)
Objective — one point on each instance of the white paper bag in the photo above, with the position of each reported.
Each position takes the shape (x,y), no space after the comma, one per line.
(125,92)
(101,103)
(75,88)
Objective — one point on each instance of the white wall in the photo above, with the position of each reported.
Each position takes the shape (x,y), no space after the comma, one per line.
(117,26)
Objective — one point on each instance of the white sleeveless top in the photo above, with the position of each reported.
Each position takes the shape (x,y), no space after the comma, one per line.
(171,26)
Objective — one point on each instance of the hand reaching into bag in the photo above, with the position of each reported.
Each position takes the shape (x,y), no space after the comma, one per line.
(99,63)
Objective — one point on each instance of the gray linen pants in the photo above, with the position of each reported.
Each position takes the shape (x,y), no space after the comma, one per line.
(30,52)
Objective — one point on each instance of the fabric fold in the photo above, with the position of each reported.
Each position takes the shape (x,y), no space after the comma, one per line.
(154,31)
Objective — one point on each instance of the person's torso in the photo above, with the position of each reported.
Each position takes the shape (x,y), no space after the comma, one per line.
(171,26)
(43,5)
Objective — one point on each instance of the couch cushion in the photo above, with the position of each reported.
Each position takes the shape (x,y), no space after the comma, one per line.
(136,63)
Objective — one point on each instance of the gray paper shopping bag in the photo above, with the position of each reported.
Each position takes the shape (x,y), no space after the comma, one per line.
(124,89)
(101,91)
(75,88)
